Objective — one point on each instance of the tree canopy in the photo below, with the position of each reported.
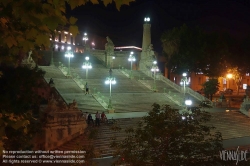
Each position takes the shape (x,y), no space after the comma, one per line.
(28,24)
(167,137)
(194,50)
(19,102)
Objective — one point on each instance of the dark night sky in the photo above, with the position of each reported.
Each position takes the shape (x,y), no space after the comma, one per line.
(124,27)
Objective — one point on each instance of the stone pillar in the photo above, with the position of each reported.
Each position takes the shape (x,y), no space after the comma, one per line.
(147,53)
(146,39)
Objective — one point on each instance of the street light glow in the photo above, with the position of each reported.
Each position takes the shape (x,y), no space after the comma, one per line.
(131,58)
(69,54)
(146,19)
(87,65)
(229,75)
(184,74)
(188,102)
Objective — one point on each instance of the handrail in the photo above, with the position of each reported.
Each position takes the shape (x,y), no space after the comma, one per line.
(179,88)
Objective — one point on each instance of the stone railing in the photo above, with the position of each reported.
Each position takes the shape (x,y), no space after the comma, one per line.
(177,87)
(175,99)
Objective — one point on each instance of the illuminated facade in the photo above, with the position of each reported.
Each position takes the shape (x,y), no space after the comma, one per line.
(64,39)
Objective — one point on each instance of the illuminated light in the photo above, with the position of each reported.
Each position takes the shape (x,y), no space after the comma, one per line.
(229,75)
(227,110)
(70,34)
(155,62)
(86,58)
(146,19)
(50,39)
(56,46)
(188,102)
(113,57)
(184,74)
(124,47)
(68,48)
(65,32)
(62,47)
(69,54)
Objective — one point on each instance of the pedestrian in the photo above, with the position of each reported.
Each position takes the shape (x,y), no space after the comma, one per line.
(103,116)
(97,119)
(86,88)
(90,119)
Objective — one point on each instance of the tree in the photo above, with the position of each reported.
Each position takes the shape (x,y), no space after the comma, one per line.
(19,103)
(164,138)
(183,48)
(211,87)
(27,24)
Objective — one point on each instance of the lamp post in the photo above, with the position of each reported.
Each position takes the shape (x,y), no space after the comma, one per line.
(131,59)
(85,37)
(69,54)
(184,82)
(154,69)
(113,58)
(87,65)
(110,80)
(188,103)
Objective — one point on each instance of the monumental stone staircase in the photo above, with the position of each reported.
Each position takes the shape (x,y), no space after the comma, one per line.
(128,96)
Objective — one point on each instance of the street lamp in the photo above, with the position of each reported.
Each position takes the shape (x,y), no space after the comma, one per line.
(188,103)
(85,37)
(110,80)
(154,69)
(113,58)
(69,54)
(87,65)
(131,59)
(184,82)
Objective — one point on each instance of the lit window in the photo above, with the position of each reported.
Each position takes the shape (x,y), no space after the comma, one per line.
(65,38)
(247,74)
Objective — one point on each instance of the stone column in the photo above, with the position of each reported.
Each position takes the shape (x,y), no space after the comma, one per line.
(146,58)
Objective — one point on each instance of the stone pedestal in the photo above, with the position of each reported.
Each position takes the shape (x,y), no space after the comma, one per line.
(62,123)
(111,111)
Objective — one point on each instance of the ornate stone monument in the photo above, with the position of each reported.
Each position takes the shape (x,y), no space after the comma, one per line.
(62,123)
(109,48)
(28,61)
(147,54)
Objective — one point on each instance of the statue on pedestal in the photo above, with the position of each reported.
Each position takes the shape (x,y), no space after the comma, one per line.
(150,52)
